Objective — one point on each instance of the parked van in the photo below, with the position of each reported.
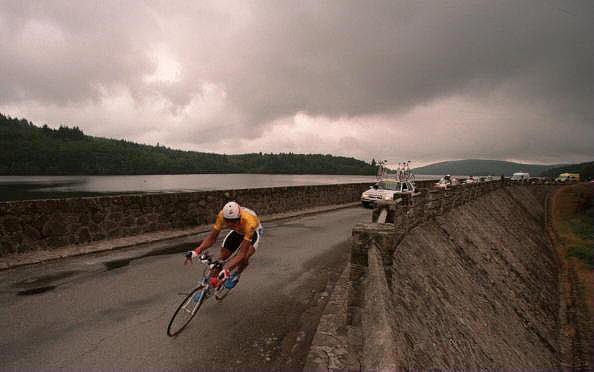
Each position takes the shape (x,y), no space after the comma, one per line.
(568,177)
(520,176)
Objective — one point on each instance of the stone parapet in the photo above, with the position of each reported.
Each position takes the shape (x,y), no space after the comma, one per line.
(48,224)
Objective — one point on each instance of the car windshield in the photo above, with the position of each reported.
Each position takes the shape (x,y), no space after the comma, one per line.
(394,186)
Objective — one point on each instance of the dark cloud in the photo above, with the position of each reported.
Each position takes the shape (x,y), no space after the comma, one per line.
(362,58)
(527,68)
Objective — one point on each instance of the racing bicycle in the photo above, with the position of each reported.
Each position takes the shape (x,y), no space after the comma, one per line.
(197,297)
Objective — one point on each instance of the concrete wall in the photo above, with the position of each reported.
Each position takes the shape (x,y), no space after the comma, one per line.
(472,281)
(47,224)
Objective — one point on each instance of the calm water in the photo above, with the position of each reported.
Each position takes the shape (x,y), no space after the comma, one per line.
(38,187)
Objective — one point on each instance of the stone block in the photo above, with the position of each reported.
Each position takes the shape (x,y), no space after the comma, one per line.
(110,225)
(115,216)
(128,221)
(32,233)
(84,236)
(11,224)
(73,228)
(56,241)
(163,226)
(99,236)
(114,233)
(98,217)
(7,247)
(54,227)
(84,218)
(94,228)
(50,204)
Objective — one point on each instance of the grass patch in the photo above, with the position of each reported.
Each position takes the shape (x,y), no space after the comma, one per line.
(574,222)
(581,252)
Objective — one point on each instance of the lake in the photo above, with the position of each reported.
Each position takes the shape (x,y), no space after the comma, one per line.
(43,187)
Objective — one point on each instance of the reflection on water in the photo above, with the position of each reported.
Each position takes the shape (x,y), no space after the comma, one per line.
(41,187)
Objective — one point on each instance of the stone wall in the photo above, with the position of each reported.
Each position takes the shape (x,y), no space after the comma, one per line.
(47,224)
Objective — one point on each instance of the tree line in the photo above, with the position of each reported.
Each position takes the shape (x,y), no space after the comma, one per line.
(26,149)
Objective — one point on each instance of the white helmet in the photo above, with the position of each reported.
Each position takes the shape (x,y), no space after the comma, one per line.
(231,211)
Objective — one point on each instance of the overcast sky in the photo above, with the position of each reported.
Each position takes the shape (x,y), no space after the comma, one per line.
(397,80)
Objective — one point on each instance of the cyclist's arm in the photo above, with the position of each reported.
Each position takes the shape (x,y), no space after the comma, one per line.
(208,242)
(212,237)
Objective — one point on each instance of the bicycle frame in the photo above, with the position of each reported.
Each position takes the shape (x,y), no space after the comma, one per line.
(194,300)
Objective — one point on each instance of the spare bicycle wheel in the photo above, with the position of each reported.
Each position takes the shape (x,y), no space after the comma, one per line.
(186,311)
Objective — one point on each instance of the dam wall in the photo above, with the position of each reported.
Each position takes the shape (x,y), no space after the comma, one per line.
(47,224)
(465,279)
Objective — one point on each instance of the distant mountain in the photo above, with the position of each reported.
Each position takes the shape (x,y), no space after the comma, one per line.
(26,149)
(480,167)
(586,170)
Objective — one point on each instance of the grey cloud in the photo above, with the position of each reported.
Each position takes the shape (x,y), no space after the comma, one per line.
(343,58)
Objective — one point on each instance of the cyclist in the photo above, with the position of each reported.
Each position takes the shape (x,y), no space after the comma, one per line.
(244,237)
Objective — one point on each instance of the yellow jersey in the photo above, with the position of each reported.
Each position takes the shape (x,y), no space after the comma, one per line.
(249,223)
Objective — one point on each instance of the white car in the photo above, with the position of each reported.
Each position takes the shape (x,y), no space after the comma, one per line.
(386,190)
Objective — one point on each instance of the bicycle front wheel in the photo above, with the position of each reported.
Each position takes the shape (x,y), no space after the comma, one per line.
(186,311)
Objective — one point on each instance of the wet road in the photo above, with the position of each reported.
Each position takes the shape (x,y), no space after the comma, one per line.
(111,310)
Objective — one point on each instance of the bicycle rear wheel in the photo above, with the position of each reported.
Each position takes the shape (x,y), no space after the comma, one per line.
(186,311)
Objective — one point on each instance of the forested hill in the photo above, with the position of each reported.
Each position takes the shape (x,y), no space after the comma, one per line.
(482,167)
(26,149)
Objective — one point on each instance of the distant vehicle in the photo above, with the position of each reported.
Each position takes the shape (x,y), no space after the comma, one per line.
(568,177)
(446,182)
(386,190)
(470,180)
(520,176)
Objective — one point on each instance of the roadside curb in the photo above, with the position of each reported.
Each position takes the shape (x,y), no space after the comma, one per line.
(35,257)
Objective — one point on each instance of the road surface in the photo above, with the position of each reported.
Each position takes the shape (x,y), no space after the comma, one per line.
(111,310)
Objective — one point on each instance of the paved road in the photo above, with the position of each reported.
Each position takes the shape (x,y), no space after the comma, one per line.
(111,310)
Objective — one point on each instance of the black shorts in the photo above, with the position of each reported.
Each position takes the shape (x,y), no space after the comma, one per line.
(234,239)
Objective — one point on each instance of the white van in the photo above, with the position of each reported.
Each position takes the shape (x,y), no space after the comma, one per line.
(519,176)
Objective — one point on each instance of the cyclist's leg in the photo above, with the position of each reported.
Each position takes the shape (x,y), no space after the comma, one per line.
(230,245)
(256,239)
(246,261)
